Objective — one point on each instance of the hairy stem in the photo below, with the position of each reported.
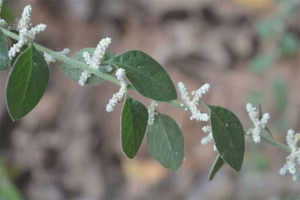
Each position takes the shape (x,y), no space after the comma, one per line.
(276,144)
(76,64)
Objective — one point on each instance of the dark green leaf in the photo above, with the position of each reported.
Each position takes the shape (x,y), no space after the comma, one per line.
(146,75)
(215,167)
(3,52)
(75,73)
(27,83)
(165,142)
(228,134)
(134,124)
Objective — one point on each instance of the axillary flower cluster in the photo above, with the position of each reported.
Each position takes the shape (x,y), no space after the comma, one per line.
(292,140)
(259,123)
(192,106)
(118,97)
(95,60)
(26,33)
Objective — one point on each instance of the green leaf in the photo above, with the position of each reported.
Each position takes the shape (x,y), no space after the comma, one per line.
(215,167)
(75,73)
(146,75)
(165,142)
(26,83)
(228,134)
(7,12)
(3,52)
(134,123)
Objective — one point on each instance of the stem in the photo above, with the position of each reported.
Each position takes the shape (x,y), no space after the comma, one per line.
(276,144)
(76,64)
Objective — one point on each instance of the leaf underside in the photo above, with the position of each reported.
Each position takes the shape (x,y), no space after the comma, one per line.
(165,142)
(217,165)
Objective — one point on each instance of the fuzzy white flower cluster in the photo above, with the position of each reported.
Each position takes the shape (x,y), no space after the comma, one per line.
(192,107)
(192,104)
(151,112)
(290,165)
(25,33)
(49,59)
(118,97)
(95,60)
(259,124)
(2,21)
(209,138)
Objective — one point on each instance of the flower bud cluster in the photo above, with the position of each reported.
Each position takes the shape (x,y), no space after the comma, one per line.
(259,124)
(25,33)
(118,97)
(95,60)
(292,139)
(152,112)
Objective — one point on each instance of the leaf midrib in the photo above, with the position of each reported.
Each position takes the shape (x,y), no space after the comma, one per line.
(217,117)
(27,85)
(168,140)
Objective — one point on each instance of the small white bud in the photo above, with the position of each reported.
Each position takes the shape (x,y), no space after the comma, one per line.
(151,112)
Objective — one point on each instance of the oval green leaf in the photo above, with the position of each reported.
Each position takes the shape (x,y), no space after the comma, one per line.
(215,167)
(75,73)
(165,142)
(26,83)
(133,126)
(228,134)
(3,52)
(146,75)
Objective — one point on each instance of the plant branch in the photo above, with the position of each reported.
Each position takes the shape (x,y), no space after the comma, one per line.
(77,64)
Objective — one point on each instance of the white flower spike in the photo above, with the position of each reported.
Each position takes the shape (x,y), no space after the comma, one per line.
(192,107)
(95,60)
(292,139)
(118,97)
(259,124)
(25,34)
(192,104)
(152,112)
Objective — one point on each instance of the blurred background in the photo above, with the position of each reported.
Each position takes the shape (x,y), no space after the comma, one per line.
(68,147)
